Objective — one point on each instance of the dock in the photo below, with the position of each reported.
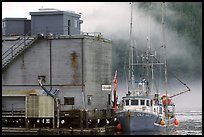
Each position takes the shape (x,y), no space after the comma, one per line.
(59,131)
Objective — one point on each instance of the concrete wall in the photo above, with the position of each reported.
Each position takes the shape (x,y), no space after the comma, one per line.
(23,73)
(69,67)
(97,72)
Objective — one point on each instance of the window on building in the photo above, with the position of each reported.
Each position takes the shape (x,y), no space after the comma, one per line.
(134,102)
(142,102)
(68,100)
(89,98)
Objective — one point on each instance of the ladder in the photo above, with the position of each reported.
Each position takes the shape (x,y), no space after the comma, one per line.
(10,54)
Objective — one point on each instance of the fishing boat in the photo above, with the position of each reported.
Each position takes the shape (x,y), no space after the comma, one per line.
(143,108)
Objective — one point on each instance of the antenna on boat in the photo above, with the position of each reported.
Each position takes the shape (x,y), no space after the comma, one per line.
(131,75)
(165,56)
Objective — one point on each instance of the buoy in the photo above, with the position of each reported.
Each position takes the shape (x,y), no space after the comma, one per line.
(164,99)
(176,122)
(162,122)
(119,126)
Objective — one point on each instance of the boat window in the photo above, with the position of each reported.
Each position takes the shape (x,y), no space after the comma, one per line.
(147,103)
(127,102)
(151,103)
(142,102)
(134,102)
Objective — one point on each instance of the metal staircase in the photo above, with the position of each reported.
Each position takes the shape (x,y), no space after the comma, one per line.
(23,43)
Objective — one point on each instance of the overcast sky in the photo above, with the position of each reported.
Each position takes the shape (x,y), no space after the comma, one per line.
(93,13)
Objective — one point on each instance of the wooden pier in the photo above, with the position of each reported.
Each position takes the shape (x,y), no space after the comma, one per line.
(59,131)
(71,122)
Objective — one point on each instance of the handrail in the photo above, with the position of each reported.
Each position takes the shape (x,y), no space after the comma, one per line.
(17,42)
(16,49)
(13,48)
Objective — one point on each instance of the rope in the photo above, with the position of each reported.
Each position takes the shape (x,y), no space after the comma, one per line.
(174,76)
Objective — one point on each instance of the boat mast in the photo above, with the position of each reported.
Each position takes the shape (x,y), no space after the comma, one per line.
(152,70)
(131,75)
(148,57)
(165,56)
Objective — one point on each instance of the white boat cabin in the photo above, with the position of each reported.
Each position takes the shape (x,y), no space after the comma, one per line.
(142,103)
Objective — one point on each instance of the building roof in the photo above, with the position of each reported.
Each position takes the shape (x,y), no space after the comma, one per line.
(14,19)
(57,12)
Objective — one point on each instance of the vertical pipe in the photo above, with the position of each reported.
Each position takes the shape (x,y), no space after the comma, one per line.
(58,111)
(82,72)
(26,115)
(51,77)
(50,64)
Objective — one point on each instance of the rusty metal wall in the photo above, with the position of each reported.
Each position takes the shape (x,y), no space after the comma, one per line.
(67,71)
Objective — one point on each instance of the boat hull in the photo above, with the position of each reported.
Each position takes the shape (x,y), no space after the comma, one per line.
(139,121)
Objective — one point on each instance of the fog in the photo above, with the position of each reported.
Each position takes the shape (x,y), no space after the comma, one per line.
(191,100)
(112,19)
(188,101)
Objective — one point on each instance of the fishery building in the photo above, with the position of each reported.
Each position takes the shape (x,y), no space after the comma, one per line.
(57,76)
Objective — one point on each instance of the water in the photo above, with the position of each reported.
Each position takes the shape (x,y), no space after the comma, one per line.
(190,124)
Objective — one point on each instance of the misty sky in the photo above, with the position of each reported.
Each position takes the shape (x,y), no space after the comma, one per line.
(113,20)
(94,14)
